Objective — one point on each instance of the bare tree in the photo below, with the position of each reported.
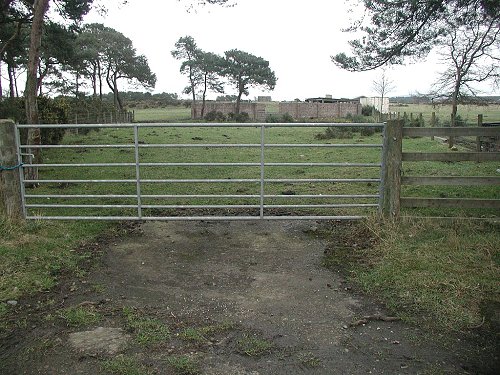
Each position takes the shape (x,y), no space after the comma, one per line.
(382,86)
(472,56)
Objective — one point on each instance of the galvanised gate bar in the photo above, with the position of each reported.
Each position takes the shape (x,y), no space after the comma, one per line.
(142,198)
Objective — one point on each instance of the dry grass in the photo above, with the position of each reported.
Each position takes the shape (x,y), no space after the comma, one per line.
(443,273)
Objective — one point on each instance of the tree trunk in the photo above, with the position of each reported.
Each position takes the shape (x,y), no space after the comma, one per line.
(454,110)
(113,85)
(15,84)
(41,76)
(77,84)
(117,93)
(381,107)
(238,102)
(40,7)
(99,74)
(193,92)
(110,85)
(194,105)
(1,88)
(11,73)
(203,98)
(93,78)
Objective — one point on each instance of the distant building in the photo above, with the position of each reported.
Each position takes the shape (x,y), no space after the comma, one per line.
(264,99)
(376,102)
(329,99)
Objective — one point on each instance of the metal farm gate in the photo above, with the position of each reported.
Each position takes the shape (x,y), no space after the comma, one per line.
(202,171)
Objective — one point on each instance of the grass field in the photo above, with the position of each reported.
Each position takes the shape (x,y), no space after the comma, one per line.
(469,113)
(238,135)
(167,114)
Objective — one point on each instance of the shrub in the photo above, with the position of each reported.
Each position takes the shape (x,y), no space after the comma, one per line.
(287,118)
(211,116)
(367,132)
(367,110)
(241,117)
(459,121)
(275,118)
(13,108)
(215,116)
(336,133)
(416,122)
(220,117)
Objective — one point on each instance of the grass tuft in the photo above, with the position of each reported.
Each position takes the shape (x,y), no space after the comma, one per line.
(253,346)
(184,365)
(80,316)
(148,331)
(123,365)
(309,360)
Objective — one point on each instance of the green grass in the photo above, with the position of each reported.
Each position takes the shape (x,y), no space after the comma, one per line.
(216,135)
(80,316)
(491,113)
(36,255)
(441,273)
(168,114)
(240,135)
(148,331)
(184,365)
(123,365)
(254,346)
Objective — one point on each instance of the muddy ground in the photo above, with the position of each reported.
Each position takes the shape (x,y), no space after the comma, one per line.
(253,297)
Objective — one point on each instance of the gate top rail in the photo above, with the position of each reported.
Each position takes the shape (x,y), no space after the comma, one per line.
(208,125)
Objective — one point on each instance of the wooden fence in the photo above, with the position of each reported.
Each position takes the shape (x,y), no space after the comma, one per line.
(102,117)
(393,158)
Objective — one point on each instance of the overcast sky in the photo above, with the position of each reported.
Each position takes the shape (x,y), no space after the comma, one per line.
(296,37)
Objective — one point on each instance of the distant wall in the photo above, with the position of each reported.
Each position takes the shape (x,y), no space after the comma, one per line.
(376,102)
(256,111)
(264,99)
(300,110)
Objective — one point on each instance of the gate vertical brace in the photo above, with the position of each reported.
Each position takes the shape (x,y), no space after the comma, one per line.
(137,172)
(21,171)
(262,140)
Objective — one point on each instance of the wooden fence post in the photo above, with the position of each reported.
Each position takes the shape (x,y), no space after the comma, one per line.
(478,139)
(10,186)
(451,140)
(390,186)
(433,123)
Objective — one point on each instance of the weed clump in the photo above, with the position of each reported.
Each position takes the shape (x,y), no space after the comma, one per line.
(253,346)
(215,116)
(122,365)
(184,365)
(336,133)
(148,331)
(275,118)
(80,316)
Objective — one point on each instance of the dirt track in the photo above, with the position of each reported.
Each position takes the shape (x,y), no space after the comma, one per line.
(264,280)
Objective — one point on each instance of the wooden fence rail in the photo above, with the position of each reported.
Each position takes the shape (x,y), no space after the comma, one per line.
(393,156)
